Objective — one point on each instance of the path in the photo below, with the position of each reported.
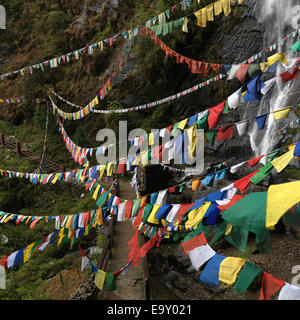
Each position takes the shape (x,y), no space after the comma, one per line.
(129,286)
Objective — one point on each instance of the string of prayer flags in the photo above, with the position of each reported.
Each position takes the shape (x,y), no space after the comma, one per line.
(195,66)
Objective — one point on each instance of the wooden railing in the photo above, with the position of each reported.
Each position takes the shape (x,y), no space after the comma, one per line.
(21,151)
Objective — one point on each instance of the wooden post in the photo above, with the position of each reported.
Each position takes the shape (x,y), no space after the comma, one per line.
(18,148)
(2,139)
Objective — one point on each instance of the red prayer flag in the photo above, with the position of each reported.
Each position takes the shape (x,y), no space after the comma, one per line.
(269,285)
(243,183)
(241,73)
(81,251)
(193,243)
(184,207)
(134,247)
(287,76)
(254,162)
(225,133)
(128,207)
(214,114)
(234,200)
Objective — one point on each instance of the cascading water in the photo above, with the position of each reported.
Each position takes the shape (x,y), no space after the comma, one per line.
(279,18)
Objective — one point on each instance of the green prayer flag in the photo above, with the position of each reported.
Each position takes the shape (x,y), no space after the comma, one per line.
(147,211)
(262,173)
(182,186)
(135,207)
(246,277)
(110,281)
(203,122)
(179,235)
(165,29)
(211,135)
(238,237)
(272,155)
(292,218)
(215,233)
(174,130)
(100,202)
(253,69)
(226,108)
(296,46)
(192,234)
(250,214)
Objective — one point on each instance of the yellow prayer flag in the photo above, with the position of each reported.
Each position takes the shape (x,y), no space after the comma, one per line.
(86,230)
(229,268)
(195,184)
(136,161)
(99,220)
(281,57)
(109,169)
(264,66)
(281,198)
(26,253)
(55,178)
(8,218)
(281,162)
(61,235)
(201,17)
(185,25)
(226,5)
(210,12)
(69,224)
(101,170)
(281,114)
(218,7)
(151,138)
(228,228)
(151,218)
(196,215)
(143,201)
(95,194)
(182,124)
(191,133)
(100,279)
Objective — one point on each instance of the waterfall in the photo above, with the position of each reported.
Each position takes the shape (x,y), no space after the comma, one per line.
(279,18)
